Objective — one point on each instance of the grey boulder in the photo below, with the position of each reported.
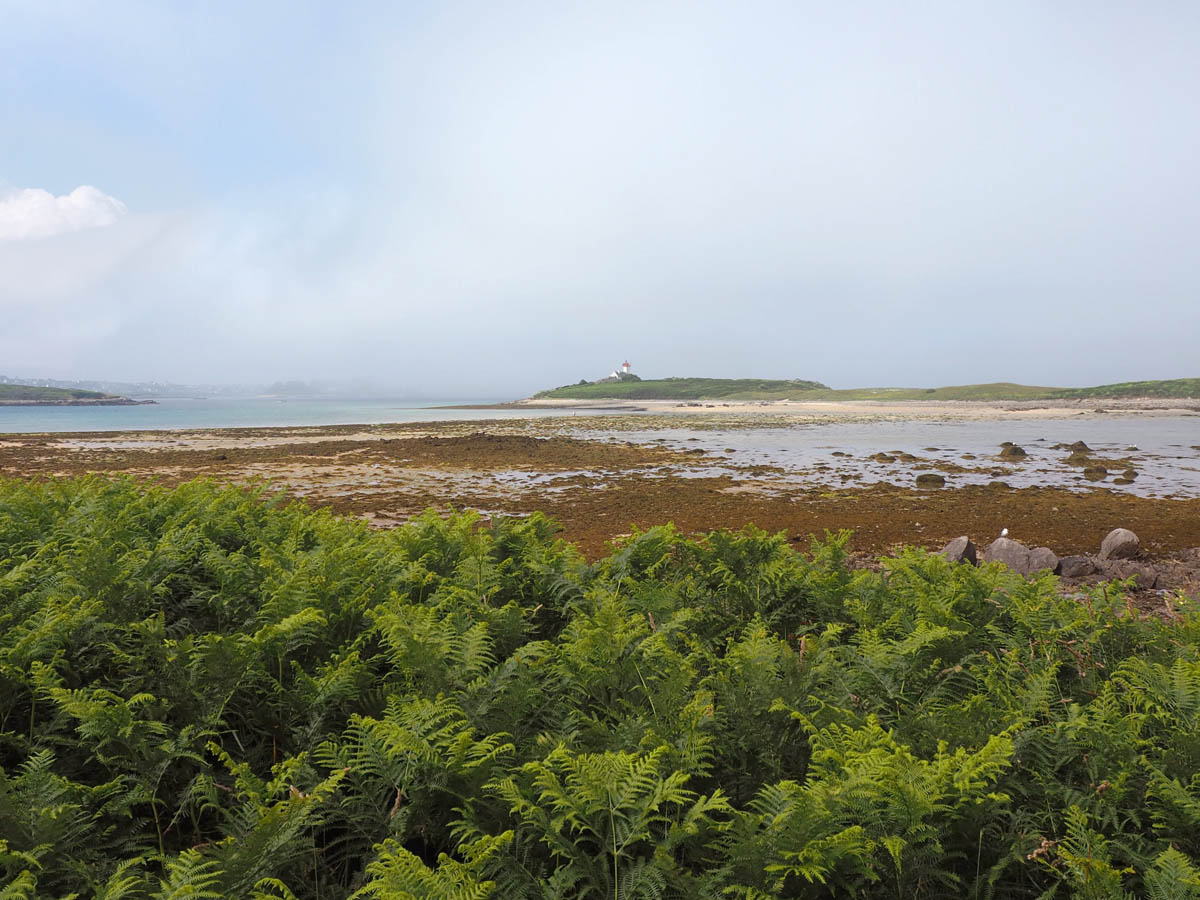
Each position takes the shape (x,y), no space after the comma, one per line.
(1120,543)
(1042,558)
(1012,553)
(961,550)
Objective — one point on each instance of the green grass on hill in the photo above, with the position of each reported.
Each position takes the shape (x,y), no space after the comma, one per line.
(24,393)
(682,389)
(1179,388)
(760,389)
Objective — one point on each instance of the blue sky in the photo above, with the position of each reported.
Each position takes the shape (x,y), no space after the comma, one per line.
(504,196)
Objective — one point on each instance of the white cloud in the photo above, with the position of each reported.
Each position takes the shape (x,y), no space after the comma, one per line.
(32,213)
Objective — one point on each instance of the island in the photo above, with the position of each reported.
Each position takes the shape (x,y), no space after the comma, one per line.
(624,385)
(33,395)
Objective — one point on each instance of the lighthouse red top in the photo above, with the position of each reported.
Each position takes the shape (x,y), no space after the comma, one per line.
(625,365)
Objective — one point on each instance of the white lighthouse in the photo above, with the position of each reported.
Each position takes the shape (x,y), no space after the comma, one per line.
(618,374)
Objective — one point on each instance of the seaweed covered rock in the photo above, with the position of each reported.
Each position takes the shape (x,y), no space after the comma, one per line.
(1076,566)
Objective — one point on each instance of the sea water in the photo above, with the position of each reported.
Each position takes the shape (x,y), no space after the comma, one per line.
(1163,449)
(184,413)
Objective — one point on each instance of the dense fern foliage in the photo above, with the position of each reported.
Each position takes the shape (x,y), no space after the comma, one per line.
(204,693)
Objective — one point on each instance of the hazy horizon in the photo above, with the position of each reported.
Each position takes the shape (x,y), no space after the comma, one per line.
(442,196)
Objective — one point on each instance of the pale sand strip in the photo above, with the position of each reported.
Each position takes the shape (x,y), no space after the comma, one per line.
(896,409)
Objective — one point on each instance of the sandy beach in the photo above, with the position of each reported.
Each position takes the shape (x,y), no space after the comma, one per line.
(911,409)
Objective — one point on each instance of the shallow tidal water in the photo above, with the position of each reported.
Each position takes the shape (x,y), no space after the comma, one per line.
(185,413)
(1166,458)
(831,451)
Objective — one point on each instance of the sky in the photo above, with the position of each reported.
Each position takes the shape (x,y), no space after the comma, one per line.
(486,199)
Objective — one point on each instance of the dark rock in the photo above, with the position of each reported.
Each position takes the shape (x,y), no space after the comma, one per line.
(1120,543)
(1130,474)
(1122,480)
(1012,553)
(1076,567)
(1145,577)
(1079,447)
(1012,451)
(883,458)
(1095,473)
(1078,459)
(1043,558)
(930,480)
(961,550)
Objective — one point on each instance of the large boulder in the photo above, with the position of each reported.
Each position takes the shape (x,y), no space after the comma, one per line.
(1076,567)
(1043,558)
(1120,543)
(961,550)
(1012,553)
(930,480)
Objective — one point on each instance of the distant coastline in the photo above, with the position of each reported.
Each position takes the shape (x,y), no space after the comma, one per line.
(114,401)
(36,395)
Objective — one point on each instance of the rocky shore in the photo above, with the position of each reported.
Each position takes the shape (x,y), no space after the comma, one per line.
(598,485)
(1159,582)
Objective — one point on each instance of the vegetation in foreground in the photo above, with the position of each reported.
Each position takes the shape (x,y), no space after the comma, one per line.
(24,393)
(206,694)
(757,389)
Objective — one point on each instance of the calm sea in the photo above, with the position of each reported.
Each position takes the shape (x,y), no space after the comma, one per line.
(242,413)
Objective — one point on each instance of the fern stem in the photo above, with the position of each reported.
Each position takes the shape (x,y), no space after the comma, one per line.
(158,826)
(612,830)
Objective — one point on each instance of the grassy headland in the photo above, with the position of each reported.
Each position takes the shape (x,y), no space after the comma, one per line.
(33,395)
(761,389)
(684,389)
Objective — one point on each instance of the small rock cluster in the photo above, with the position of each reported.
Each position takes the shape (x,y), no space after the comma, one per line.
(1116,559)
